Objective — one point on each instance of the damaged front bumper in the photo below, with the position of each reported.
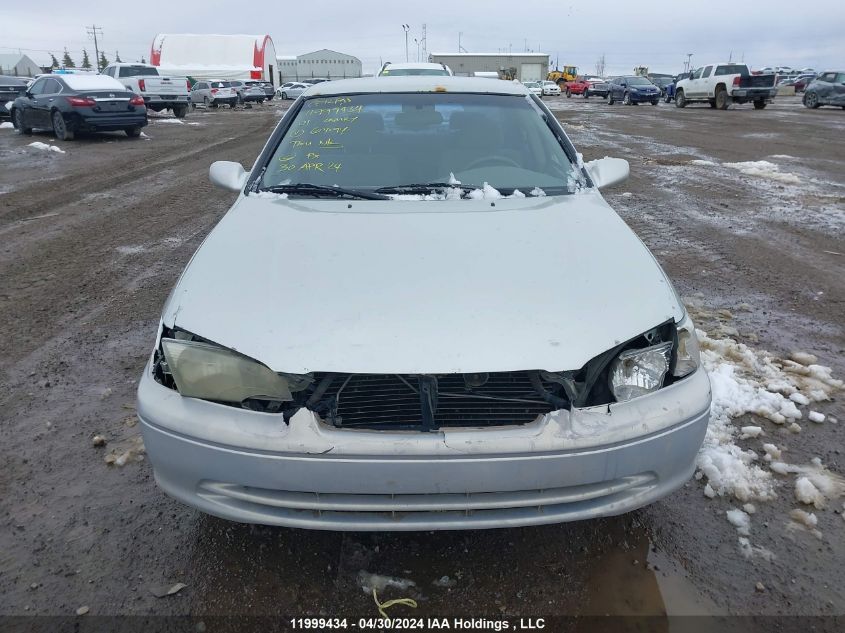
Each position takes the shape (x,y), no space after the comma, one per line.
(567,465)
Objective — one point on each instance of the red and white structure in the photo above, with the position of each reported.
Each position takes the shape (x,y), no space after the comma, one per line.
(215,56)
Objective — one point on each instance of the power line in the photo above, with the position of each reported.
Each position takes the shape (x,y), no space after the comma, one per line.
(95,30)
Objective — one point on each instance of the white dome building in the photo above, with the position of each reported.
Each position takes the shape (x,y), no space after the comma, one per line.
(216,56)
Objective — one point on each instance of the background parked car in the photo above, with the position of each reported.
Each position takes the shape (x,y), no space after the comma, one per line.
(827,89)
(266,86)
(598,88)
(314,80)
(534,87)
(10,89)
(68,104)
(214,93)
(248,91)
(292,89)
(159,92)
(632,89)
(550,88)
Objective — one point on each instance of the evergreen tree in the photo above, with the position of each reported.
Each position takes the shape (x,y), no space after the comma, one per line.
(54,63)
(86,63)
(117,58)
(67,62)
(103,60)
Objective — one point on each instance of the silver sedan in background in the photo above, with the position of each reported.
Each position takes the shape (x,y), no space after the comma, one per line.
(291,90)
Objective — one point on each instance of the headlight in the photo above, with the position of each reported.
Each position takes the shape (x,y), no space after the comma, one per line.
(209,372)
(687,356)
(636,372)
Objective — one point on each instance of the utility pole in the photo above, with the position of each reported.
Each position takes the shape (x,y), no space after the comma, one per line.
(688,63)
(406,28)
(95,30)
(461,49)
(424,40)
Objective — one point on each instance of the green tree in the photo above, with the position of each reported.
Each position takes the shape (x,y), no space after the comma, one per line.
(117,58)
(54,63)
(67,62)
(103,60)
(86,63)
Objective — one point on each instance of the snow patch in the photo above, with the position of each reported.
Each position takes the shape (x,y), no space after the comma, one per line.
(740,520)
(764,169)
(369,581)
(45,146)
(5,125)
(815,416)
(179,121)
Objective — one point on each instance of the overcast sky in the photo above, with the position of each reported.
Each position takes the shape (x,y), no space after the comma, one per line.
(655,34)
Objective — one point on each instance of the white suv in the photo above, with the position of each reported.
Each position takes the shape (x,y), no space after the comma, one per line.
(416,68)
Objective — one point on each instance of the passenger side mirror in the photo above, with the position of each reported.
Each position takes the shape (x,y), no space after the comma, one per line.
(227,175)
(606,172)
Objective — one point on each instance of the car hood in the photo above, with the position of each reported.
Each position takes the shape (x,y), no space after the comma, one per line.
(421,286)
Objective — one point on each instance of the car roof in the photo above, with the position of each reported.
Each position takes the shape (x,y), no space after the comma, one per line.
(411,65)
(418,83)
(11,79)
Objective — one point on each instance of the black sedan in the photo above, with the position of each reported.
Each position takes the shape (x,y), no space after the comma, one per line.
(10,89)
(827,89)
(68,104)
(633,89)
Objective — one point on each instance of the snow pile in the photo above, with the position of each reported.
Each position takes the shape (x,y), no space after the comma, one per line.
(740,520)
(805,520)
(745,381)
(5,125)
(764,169)
(45,146)
(179,121)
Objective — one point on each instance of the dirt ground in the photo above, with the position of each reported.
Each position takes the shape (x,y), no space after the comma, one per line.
(93,239)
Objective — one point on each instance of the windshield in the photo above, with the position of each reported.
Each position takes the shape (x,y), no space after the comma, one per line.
(221,84)
(406,72)
(639,81)
(531,84)
(374,141)
(137,71)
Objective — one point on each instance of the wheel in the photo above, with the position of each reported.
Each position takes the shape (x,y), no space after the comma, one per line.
(60,128)
(133,132)
(668,99)
(284,96)
(18,114)
(680,100)
(759,104)
(232,104)
(586,96)
(712,103)
(205,102)
(655,102)
(180,111)
(722,99)
(261,101)
(610,100)
(568,93)
(811,100)
(214,104)
(626,99)
(492,160)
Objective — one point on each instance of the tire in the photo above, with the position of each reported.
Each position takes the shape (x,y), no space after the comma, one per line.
(180,111)
(285,96)
(205,102)
(133,132)
(214,104)
(655,102)
(668,99)
(811,100)
(722,99)
(712,103)
(680,99)
(18,116)
(626,99)
(568,93)
(586,96)
(759,104)
(60,128)
(610,100)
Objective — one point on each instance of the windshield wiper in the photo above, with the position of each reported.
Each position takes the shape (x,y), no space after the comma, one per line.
(426,187)
(308,189)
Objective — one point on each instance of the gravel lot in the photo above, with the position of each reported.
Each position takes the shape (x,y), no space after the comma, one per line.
(93,239)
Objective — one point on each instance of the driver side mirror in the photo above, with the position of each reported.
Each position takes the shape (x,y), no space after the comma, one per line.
(227,175)
(606,172)
(691,75)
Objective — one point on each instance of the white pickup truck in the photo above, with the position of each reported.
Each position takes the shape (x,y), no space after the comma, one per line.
(723,84)
(159,92)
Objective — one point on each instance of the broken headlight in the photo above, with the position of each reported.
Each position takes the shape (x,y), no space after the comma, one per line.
(209,372)
(636,372)
(687,355)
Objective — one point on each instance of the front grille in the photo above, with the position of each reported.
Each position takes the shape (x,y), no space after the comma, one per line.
(393,401)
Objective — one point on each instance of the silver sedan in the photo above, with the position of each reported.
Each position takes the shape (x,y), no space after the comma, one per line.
(291,90)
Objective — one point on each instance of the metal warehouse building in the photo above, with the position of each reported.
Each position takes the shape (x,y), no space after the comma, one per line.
(215,56)
(526,66)
(323,63)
